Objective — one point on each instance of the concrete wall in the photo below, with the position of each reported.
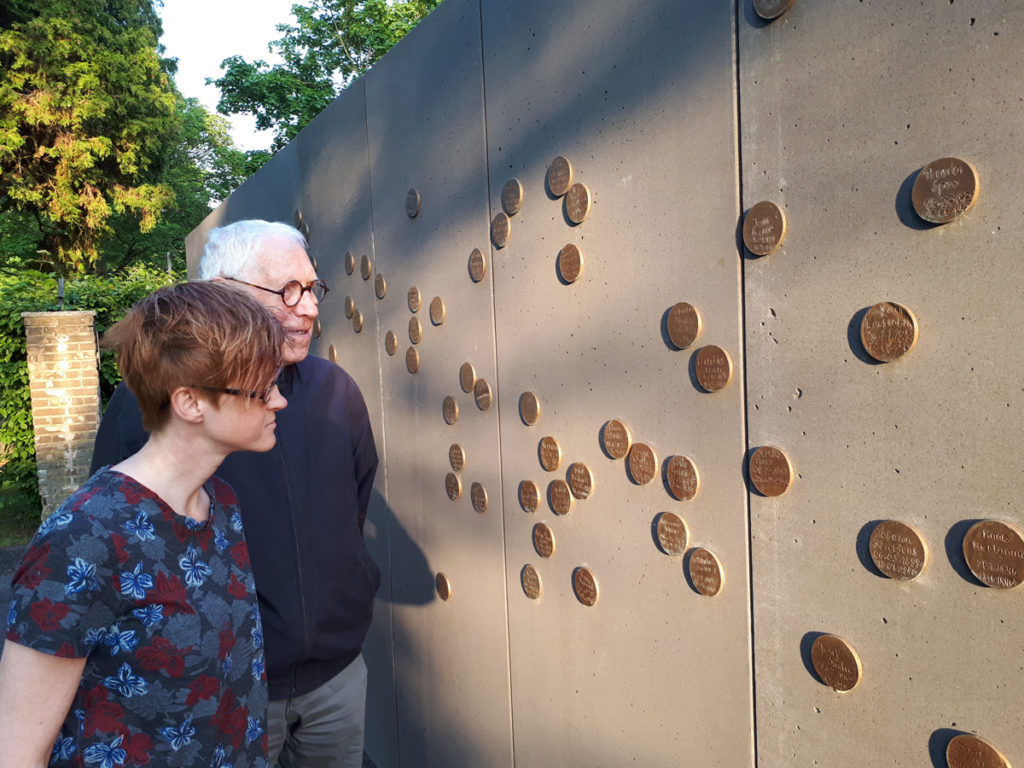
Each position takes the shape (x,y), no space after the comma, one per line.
(678,116)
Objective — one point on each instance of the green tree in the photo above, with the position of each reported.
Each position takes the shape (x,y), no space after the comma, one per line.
(330,44)
(87,111)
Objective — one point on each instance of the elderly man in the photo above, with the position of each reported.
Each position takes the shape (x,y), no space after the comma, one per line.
(303,503)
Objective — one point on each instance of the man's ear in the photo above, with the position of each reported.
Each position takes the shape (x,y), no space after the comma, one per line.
(187,406)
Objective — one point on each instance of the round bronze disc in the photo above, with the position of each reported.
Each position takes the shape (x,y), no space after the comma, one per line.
(412,360)
(412,204)
(529,408)
(357,321)
(467,377)
(530,580)
(317,328)
(350,307)
(684,324)
(771,471)
(673,534)
(559,176)
(966,750)
(298,218)
(529,496)
(477,265)
(994,552)
(456,457)
(482,394)
(501,228)
(550,453)
(944,190)
(616,439)
(888,331)
(350,263)
(444,587)
(706,572)
(581,480)
(543,540)
(584,585)
(312,258)
(577,202)
(415,330)
(570,263)
(643,463)
(771,9)
(682,477)
(438,311)
(453,486)
(332,354)
(365,267)
(898,550)
(450,410)
(764,228)
(836,663)
(414,299)
(512,196)
(380,286)
(390,343)
(560,497)
(478,495)
(714,368)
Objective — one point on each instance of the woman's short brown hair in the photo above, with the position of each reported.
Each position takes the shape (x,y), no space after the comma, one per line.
(194,334)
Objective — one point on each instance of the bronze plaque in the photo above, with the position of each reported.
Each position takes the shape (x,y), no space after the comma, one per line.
(570,263)
(380,286)
(714,368)
(501,228)
(682,477)
(673,535)
(317,328)
(966,750)
(350,307)
(643,463)
(412,203)
(365,267)
(836,663)
(684,324)
(529,496)
(316,265)
(478,495)
(456,456)
(414,299)
(450,409)
(898,550)
(415,330)
(771,9)
(444,587)
(944,190)
(390,342)
(357,321)
(453,486)
(706,572)
(559,176)
(770,470)
(512,196)
(577,202)
(550,453)
(467,377)
(560,497)
(888,331)
(350,263)
(531,582)
(412,359)
(529,408)
(616,439)
(584,584)
(438,311)
(764,228)
(332,354)
(995,553)
(581,480)
(482,394)
(543,540)
(298,217)
(477,265)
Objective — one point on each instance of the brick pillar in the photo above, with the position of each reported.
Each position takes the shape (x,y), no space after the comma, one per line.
(63,376)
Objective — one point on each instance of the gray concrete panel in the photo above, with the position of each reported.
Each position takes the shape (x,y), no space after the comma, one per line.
(841,105)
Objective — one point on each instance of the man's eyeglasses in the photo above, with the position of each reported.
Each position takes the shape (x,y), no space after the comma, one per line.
(251,394)
(292,292)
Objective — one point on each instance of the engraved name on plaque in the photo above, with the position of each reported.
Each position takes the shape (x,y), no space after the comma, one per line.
(467,377)
(706,572)
(682,477)
(888,331)
(560,497)
(412,204)
(584,585)
(559,176)
(581,480)
(350,263)
(570,263)
(673,535)
(966,750)
(450,409)
(995,553)
(477,265)
(365,267)
(412,360)
(543,540)
(414,299)
(380,286)
(529,408)
(390,342)
(550,453)
(898,550)
(578,202)
(512,196)
(764,228)
(771,9)
(443,586)
(415,330)
(684,325)
(501,228)
(529,496)
(530,580)
(438,311)
(453,486)
(944,190)
(457,457)
(482,394)
(713,367)
(478,496)
(836,663)
(770,470)
(616,439)
(357,321)
(643,463)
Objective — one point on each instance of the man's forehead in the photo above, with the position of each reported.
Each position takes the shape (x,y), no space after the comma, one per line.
(283,259)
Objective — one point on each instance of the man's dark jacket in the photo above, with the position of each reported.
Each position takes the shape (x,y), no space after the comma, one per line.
(303,506)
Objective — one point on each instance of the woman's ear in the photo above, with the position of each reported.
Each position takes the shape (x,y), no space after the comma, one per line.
(187,406)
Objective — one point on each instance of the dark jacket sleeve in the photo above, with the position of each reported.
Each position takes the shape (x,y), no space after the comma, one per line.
(120,433)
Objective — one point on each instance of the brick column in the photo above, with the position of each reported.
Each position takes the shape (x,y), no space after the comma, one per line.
(63,376)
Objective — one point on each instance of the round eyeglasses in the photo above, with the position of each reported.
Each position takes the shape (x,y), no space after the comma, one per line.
(264,396)
(292,292)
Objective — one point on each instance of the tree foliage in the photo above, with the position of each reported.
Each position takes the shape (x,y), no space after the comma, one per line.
(330,44)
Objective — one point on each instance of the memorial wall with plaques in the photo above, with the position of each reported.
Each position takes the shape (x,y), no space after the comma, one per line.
(686,334)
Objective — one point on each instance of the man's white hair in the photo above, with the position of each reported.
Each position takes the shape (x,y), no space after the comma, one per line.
(231,250)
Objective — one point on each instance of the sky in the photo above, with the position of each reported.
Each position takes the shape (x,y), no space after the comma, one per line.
(202,33)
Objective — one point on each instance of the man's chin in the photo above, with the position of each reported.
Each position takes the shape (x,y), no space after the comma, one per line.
(295,351)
